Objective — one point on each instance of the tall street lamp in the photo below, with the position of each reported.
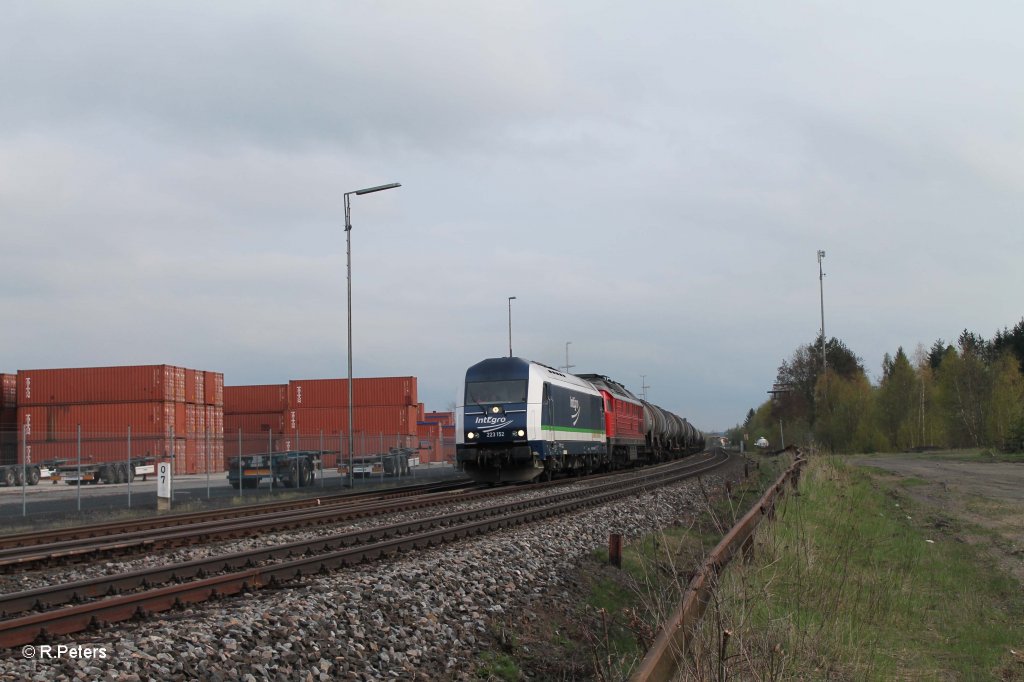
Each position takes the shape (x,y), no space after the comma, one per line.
(348,259)
(567,365)
(510,299)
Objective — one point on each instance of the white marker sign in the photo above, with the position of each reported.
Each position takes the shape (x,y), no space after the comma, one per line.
(163,480)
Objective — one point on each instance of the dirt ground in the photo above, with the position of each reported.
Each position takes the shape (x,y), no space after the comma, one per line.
(985,498)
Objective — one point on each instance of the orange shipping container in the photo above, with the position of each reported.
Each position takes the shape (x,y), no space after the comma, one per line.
(375,391)
(388,420)
(252,424)
(141,383)
(259,399)
(214,384)
(105,449)
(195,386)
(8,391)
(60,422)
(446,418)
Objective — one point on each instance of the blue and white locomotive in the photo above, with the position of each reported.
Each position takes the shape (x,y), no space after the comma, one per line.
(517,420)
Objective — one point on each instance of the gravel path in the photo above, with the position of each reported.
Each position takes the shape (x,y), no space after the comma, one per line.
(420,618)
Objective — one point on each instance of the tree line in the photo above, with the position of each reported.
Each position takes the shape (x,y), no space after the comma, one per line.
(968,394)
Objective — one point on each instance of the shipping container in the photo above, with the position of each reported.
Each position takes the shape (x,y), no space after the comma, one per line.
(214,384)
(105,449)
(195,386)
(389,420)
(260,399)
(141,383)
(445,418)
(8,391)
(61,422)
(251,424)
(373,391)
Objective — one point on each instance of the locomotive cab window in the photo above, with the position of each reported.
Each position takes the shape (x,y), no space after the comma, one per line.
(490,392)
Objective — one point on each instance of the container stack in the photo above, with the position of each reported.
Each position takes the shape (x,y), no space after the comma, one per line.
(204,421)
(385,413)
(253,417)
(431,429)
(8,418)
(158,405)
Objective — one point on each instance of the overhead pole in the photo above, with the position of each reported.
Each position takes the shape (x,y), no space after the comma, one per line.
(821,289)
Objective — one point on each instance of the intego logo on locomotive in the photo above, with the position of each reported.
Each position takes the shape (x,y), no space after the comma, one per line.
(574,405)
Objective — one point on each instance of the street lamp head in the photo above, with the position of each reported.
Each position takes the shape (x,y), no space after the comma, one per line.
(378,188)
(821,254)
(511,298)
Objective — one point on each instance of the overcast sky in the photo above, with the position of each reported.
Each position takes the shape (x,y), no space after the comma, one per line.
(650,180)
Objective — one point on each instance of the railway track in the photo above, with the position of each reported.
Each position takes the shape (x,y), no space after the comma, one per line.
(278,565)
(206,529)
(113,528)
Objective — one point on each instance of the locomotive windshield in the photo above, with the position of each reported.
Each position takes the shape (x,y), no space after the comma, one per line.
(489,392)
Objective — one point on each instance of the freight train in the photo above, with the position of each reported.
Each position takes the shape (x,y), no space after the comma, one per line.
(518,420)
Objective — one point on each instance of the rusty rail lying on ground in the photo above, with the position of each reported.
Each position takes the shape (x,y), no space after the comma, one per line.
(662,660)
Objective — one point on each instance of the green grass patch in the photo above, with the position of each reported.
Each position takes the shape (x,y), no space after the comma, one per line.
(497,666)
(852,581)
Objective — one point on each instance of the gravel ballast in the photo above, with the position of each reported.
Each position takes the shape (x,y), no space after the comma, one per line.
(419,617)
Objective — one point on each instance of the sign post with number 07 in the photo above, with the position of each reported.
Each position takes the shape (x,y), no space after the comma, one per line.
(163,485)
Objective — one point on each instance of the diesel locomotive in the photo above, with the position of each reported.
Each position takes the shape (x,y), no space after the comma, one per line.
(518,420)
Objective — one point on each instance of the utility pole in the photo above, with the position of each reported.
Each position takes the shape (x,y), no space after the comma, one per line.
(643,386)
(821,288)
(567,365)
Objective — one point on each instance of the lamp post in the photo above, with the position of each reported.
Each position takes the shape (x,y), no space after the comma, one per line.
(567,365)
(348,261)
(510,299)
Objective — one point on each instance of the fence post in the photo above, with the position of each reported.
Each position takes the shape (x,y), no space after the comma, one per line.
(78,447)
(240,486)
(208,461)
(24,469)
(323,479)
(270,457)
(130,470)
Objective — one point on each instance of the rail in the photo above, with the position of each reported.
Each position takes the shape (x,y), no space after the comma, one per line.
(312,560)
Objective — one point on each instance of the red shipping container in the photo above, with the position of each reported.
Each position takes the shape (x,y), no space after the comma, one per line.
(214,384)
(104,449)
(446,418)
(253,424)
(8,391)
(366,392)
(388,420)
(141,383)
(61,422)
(259,399)
(195,386)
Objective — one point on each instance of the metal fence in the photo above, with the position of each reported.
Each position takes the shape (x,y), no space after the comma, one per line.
(104,462)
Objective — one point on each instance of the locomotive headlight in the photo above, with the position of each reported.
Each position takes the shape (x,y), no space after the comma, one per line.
(495,409)
(470,436)
(520,433)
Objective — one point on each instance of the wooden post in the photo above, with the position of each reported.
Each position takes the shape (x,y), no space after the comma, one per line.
(615,549)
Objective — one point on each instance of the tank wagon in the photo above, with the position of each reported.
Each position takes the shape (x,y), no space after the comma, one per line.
(518,420)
